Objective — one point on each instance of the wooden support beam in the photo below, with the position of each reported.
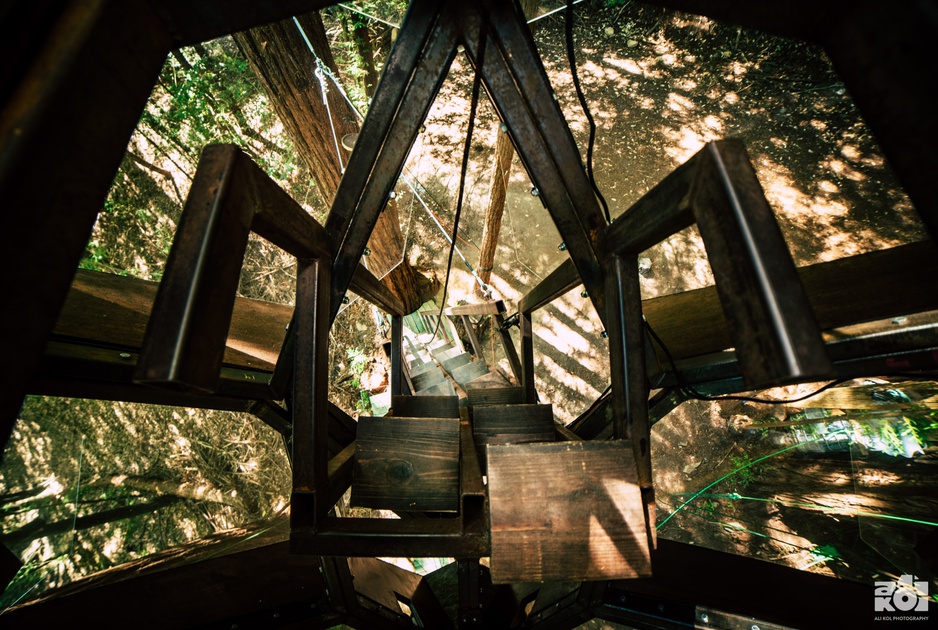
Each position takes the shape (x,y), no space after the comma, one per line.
(627,369)
(520,90)
(415,70)
(78,96)
(832,287)
(230,196)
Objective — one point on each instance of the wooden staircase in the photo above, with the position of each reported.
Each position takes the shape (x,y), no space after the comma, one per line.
(557,509)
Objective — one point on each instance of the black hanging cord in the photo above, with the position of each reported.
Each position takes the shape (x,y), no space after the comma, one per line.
(571,56)
(690,392)
(476,85)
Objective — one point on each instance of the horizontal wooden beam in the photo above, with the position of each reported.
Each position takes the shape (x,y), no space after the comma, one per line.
(562,279)
(111,310)
(193,21)
(365,284)
(903,278)
(481,308)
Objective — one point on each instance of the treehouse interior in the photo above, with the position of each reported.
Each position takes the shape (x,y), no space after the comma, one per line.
(468,478)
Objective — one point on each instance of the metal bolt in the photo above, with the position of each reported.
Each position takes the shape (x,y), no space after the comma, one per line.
(393,195)
(584,294)
(422,128)
(534,191)
(367,252)
(704,617)
(276,615)
(755,627)
(562,247)
(124,355)
(604,334)
(900,320)
(503,128)
(345,300)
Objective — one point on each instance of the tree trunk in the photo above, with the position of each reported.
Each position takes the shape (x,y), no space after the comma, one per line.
(40,528)
(286,69)
(504,152)
(362,36)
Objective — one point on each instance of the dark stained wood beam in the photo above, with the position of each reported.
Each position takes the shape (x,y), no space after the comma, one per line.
(63,131)
(900,281)
(113,310)
(193,21)
(258,578)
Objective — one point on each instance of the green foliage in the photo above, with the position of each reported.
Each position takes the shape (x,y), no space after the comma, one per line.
(358,360)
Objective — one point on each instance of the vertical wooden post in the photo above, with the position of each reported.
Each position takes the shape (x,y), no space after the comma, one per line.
(627,367)
(473,339)
(508,344)
(527,358)
(311,393)
(397,341)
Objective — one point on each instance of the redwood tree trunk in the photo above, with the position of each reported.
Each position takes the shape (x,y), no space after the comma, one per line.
(287,70)
(504,152)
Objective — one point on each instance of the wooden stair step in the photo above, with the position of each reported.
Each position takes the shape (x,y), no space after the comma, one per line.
(406,464)
(445,355)
(425,406)
(469,371)
(566,511)
(494,395)
(428,378)
(456,361)
(440,346)
(491,379)
(513,424)
(423,369)
(441,389)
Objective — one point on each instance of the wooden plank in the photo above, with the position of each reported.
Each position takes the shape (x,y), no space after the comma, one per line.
(513,424)
(494,395)
(407,464)
(905,280)
(442,389)
(428,378)
(470,371)
(482,308)
(425,406)
(492,379)
(426,368)
(113,310)
(568,511)
(444,355)
(454,362)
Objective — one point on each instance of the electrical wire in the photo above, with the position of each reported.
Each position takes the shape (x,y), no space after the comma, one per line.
(689,391)
(571,57)
(473,105)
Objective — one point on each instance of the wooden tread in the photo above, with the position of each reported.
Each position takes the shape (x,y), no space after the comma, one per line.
(406,464)
(454,362)
(469,371)
(494,395)
(513,424)
(566,511)
(425,406)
